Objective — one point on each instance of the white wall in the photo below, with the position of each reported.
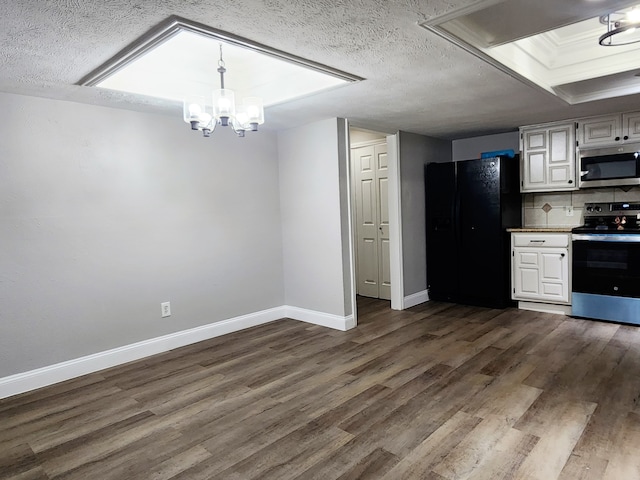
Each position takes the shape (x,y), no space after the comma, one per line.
(415,152)
(105,213)
(346,233)
(313,161)
(358,135)
(469,148)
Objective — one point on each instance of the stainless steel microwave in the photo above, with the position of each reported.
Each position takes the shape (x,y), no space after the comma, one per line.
(610,166)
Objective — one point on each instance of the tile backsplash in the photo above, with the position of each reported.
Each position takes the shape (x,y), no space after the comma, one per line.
(565,209)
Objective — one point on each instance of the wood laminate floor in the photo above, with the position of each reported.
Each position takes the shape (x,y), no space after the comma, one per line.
(439,391)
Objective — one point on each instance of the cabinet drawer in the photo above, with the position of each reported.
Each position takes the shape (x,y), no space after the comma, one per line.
(540,240)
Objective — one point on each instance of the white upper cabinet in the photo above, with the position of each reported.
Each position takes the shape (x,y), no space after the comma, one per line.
(548,157)
(607,130)
(631,127)
(548,152)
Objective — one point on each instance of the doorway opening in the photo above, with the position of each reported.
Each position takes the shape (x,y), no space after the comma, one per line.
(370,200)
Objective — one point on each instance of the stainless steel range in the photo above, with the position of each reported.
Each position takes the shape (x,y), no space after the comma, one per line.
(606,263)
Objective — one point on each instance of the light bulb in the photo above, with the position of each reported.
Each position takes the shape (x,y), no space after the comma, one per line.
(224,104)
(194,111)
(194,107)
(633,15)
(253,111)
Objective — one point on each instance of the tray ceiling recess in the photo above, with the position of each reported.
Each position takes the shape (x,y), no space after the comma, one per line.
(179,58)
(548,44)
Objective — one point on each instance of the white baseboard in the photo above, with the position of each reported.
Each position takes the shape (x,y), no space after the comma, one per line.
(416,299)
(318,318)
(42,377)
(545,307)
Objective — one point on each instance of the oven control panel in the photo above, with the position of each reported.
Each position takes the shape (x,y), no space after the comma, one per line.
(617,208)
(616,216)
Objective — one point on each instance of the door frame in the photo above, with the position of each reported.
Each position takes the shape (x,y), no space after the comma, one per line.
(395,219)
(395,223)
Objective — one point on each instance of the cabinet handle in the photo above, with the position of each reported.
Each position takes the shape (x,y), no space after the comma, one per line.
(562,254)
(537,241)
(626,137)
(617,139)
(570,181)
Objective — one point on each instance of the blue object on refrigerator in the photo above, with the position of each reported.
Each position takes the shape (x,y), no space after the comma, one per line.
(498,153)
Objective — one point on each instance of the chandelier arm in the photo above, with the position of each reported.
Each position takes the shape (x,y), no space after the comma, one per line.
(619,25)
(606,40)
(238,131)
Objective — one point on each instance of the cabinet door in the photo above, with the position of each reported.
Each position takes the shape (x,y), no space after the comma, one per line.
(562,154)
(535,157)
(631,126)
(526,274)
(548,158)
(541,274)
(605,130)
(554,274)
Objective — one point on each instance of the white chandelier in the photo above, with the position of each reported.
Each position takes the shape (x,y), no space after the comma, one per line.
(622,28)
(203,115)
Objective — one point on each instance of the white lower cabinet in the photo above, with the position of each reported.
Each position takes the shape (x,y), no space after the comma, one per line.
(540,268)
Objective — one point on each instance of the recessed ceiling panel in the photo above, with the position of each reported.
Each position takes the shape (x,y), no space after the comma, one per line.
(617,85)
(509,20)
(549,44)
(180,61)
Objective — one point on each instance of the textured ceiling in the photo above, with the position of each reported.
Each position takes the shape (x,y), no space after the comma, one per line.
(415,80)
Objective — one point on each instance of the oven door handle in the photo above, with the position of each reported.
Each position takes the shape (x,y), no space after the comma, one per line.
(610,237)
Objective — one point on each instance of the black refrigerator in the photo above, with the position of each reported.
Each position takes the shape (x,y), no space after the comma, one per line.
(469,206)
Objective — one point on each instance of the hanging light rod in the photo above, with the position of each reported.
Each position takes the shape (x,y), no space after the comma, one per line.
(205,116)
(622,28)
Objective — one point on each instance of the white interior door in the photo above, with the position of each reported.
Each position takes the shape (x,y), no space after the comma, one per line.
(372,221)
(382,195)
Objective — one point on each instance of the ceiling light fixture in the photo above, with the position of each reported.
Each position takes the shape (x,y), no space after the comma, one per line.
(622,28)
(205,115)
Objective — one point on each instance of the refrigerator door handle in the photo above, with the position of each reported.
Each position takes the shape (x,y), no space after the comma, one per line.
(456,214)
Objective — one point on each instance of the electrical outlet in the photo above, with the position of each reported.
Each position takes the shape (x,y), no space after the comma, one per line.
(165,309)
(569,211)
